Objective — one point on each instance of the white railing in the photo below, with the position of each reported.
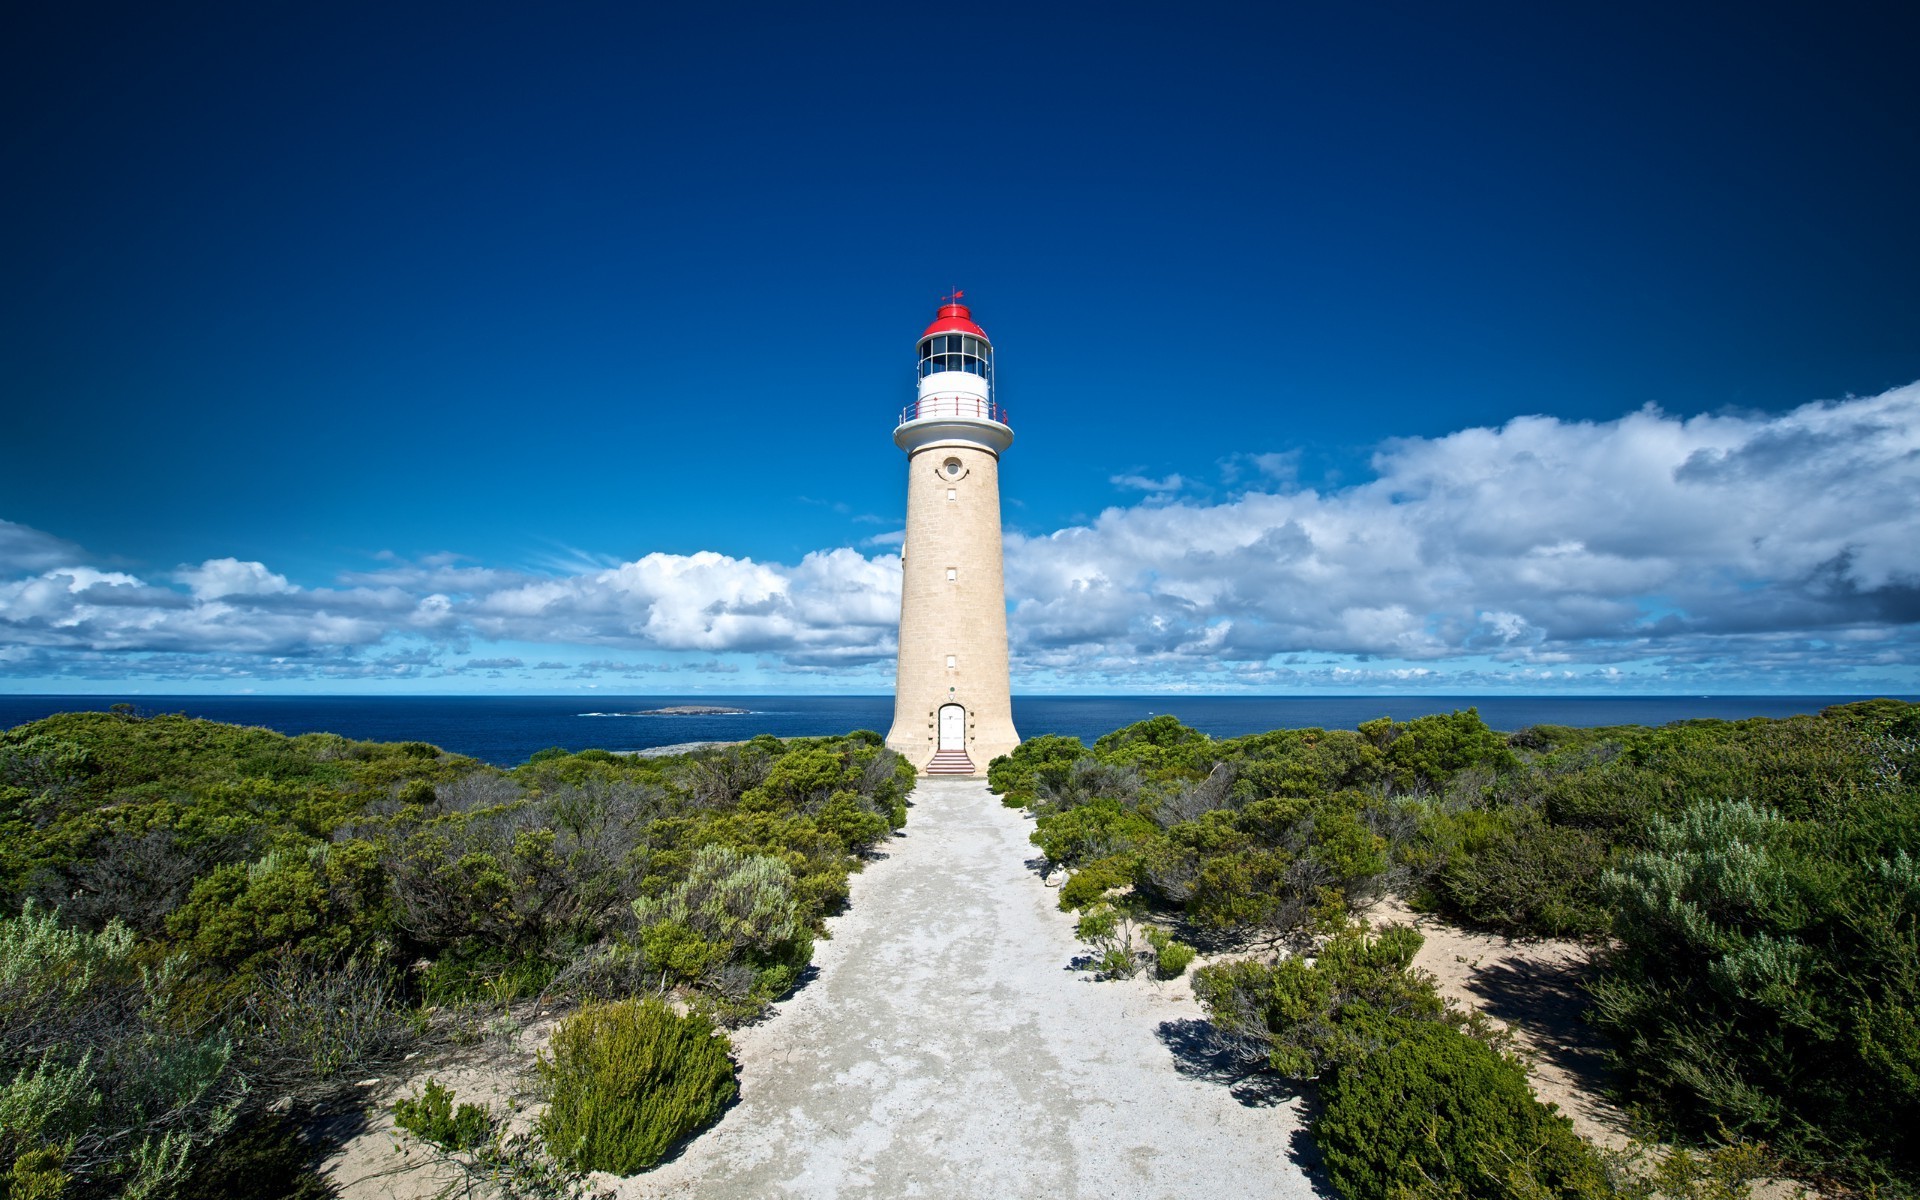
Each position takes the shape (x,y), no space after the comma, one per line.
(955,406)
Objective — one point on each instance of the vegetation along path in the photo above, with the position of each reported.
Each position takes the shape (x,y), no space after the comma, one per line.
(948,1048)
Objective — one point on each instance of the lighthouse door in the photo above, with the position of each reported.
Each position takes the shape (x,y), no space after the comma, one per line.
(953,727)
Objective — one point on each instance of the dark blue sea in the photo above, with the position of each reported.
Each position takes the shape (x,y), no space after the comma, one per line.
(506,729)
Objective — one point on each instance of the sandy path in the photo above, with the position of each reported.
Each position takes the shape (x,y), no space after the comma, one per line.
(947,1049)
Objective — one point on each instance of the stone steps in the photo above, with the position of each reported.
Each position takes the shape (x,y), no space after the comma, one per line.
(950,762)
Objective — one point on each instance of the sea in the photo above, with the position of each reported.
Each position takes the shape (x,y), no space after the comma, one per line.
(505,730)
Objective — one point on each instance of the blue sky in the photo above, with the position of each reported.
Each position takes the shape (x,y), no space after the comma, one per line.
(1362,348)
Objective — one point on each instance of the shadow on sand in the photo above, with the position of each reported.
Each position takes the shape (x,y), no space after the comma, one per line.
(1547,1001)
(1199,1052)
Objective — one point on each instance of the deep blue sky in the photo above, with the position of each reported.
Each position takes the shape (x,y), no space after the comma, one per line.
(544,289)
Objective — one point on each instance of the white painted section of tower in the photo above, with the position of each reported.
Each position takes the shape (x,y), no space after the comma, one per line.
(953,605)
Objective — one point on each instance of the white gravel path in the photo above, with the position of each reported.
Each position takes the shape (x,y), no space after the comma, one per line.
(948,1049)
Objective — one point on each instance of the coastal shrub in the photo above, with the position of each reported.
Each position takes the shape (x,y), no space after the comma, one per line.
(854,822)
(1301,762)
(1433,1106)
(1018,776)
(626,1081)
(1159,744)
(1767,975)
(1304,1016)
(276,886)
(1087,781)
(732,926)
(736,899)
(1514,871)
(1426,752)
(1111,930)
(1095,880)
(1170,957)
(1190,799)
(99,1093)
(432,1117)
(1092,830)
(307,1029)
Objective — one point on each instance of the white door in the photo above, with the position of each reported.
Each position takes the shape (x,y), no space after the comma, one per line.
(953,727)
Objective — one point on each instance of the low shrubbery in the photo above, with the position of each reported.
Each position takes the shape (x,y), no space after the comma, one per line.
(1414,1094)
(1436,1112)
(1758,876)
(432,1117)
(1767,978)
(626,1081)
(304,912)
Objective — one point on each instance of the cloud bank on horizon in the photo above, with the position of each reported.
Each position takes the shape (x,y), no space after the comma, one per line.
(1652,552)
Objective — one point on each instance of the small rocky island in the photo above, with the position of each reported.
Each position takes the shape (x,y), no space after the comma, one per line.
(694,710)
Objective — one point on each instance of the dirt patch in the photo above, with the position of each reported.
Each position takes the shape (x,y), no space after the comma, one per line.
(1532,987)
(381,1163)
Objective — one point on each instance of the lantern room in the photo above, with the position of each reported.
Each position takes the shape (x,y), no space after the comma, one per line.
(954,347)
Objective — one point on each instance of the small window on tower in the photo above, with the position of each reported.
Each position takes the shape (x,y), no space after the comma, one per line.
(952,574)
(953,493)
(951,467)
(953,661)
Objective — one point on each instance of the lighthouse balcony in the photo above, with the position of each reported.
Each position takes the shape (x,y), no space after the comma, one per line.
(972,408)
(953,421)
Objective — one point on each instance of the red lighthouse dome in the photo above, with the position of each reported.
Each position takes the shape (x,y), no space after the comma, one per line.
(954,317)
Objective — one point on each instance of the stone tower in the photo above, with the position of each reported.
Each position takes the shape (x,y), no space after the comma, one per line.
(952,708)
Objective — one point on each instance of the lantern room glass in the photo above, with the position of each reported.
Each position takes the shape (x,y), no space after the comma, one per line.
(956,352)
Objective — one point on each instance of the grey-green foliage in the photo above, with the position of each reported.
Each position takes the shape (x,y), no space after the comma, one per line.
(1085,781)
(101,1095)
(741,900)
(1767,975)
(1115,937)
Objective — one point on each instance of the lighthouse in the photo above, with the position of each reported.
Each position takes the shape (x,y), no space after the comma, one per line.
(952,705)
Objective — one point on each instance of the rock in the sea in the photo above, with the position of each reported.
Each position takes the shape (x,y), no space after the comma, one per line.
(695,710)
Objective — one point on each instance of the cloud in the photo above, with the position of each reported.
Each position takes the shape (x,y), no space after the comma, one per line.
(1763,551)
(221,577)
(227,617)
(1649,537)
(24,549)
(1142,483)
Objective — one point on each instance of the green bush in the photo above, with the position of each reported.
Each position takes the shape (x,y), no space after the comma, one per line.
(1436,1106)
(627,1081)
(1517,873)
(1110,930)
(1096,829)
(1095,880)
(99,1093)
(1018,776)
(1170,957)
(1768,975)
(1308,1017)
(743,903)
(1426,752)
(432,1117)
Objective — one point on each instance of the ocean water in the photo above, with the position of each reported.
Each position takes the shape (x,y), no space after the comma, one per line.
(506,729)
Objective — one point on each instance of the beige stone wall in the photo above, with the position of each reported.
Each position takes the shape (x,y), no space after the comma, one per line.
(964,617)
